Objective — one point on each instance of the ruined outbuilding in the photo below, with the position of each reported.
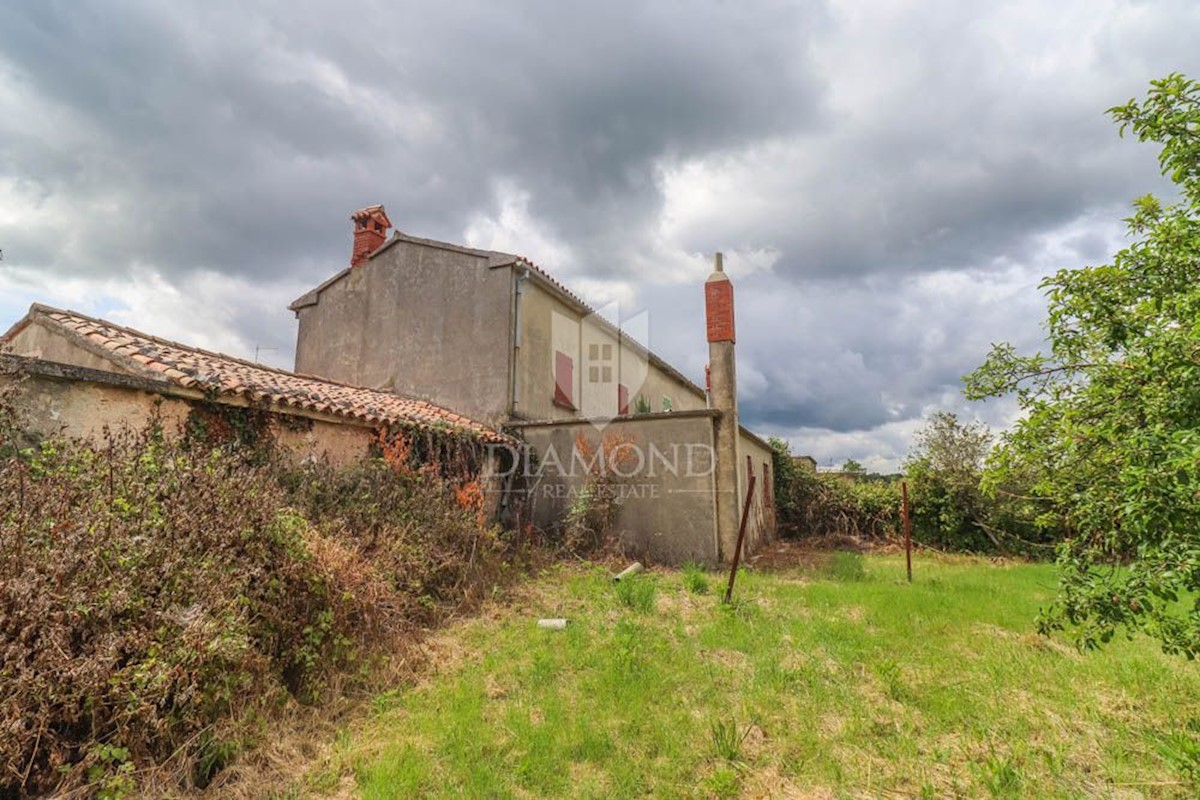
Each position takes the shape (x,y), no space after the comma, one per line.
(87,378)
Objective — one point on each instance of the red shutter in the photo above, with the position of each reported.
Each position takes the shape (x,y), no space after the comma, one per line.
(564,380)
(622,399)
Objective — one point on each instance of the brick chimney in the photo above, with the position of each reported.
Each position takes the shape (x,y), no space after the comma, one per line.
(722,397)
(370,231)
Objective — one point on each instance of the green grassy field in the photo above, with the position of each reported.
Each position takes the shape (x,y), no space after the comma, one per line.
(835,680)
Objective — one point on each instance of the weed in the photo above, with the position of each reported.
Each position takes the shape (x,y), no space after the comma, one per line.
(999,776)
(627,646)
(846,566)
(167,593)
(727,740)
(1181,749)
(725,782)
(695,578)
(889,672)
(637,592)
(739,608)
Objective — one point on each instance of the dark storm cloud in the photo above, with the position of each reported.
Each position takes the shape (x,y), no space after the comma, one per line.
(974,137)
(238,139)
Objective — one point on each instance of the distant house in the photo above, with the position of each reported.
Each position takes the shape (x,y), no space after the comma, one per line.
(81,376)
(806,463)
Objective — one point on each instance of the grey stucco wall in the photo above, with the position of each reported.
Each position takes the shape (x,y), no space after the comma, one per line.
(665,515)
(760,525)
(88,411)
(548,324)
(419,320)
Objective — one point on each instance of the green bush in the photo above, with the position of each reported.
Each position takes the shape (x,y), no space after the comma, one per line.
(948,508)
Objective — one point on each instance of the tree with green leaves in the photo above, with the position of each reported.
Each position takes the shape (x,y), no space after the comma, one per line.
(852,467)
(944,472)
(1109,444)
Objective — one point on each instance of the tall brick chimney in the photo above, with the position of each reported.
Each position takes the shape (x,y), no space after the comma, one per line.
(370,231)
(722,393)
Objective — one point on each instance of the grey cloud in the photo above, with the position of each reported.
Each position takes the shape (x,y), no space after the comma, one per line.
(973,151)
(238,140)
(853,356)
(916,172)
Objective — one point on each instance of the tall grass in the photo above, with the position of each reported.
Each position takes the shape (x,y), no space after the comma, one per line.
(855,687)
(695,578)
(637,592)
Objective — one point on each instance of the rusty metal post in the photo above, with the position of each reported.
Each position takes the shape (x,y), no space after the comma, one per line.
(737,550)
(907,528)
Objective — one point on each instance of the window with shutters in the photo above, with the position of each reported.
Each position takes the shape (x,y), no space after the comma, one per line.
(564,381)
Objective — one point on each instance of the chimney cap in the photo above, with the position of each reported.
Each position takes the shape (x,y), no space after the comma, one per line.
(375,212)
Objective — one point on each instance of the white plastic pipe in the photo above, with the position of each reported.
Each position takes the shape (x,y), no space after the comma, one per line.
(632,569)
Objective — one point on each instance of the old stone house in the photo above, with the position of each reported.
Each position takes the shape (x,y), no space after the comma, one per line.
(496,338)
(441,338)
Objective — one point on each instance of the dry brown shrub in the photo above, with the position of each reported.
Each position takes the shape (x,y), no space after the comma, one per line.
(161,601)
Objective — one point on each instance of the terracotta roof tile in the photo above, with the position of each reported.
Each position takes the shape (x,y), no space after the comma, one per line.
(194,368)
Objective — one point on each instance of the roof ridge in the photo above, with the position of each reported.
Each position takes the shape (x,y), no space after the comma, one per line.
(400,236)
(512,258)
(41,307)
(236,359)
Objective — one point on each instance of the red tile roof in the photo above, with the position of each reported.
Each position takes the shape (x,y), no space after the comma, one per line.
(193,368)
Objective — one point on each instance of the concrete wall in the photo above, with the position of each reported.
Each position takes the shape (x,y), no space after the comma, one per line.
(754,457)
(666,513)
(548,324)
(420,320)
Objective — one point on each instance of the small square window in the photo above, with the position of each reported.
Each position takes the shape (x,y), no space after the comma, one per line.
(607,352)
(593,374)
(606,372)
(593,352)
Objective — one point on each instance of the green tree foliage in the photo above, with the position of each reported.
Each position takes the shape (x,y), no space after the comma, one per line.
(949,510)
(786,474)
(1110,441)
(852,467)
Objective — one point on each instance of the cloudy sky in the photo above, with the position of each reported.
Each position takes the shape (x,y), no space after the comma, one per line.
(889,180)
